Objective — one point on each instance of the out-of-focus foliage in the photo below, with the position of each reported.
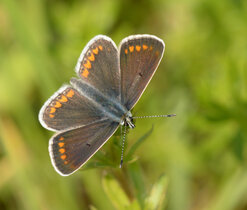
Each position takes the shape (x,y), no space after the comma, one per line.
(196,160)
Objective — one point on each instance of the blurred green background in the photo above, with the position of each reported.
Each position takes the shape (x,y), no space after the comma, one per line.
(195,161)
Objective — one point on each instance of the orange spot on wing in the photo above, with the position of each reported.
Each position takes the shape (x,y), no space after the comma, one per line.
(150,48)
(91,57)
(138,48)
(65,162)
(85,73)
(60,144)
(62,150)
(70,93)
(63,157)
(157,53)
(51,115)
(57,105)
(95,51)
(131,48)
(87,64)
(100,47)
(63,99)
(144,47)
(52,110)
(61,138)
(126,51)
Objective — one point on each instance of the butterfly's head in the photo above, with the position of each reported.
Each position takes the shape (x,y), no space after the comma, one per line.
(128,120)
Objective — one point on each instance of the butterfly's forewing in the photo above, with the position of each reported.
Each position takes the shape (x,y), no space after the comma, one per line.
(139,58)
(98,65)
(68,109)
(69,150)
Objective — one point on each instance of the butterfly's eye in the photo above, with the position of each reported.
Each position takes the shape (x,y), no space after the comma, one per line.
(132,120)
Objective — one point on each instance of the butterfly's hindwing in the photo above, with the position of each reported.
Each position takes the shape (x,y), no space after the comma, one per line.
(69,150)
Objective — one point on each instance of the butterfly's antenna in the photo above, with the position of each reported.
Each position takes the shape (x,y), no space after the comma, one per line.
(152,116)
(124,134)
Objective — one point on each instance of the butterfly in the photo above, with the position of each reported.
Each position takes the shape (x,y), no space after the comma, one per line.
(87,112)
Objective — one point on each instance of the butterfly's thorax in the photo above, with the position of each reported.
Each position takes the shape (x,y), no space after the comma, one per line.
(110,108)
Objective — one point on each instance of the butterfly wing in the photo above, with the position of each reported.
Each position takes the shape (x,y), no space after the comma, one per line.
(98,68)
(140,56)
(98,65)
(71,149)
(68,109)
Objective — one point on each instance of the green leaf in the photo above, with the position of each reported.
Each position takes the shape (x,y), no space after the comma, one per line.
(134,205)
(91,207)
(136,174)
(157,194)
(115,193)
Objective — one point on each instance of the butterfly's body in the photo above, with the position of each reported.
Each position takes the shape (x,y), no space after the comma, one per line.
(111,108)
(86,113)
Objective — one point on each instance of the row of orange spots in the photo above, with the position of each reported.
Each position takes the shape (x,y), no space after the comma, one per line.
(87,64)
(62,150)
(138,48)
(60,99)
